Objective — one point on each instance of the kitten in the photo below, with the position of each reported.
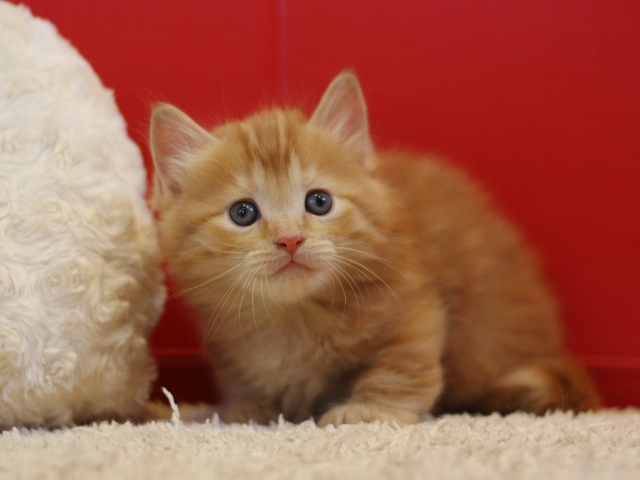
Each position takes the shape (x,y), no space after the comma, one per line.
(336,282)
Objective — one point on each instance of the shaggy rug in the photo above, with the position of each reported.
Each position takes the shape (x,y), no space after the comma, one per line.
(603,445)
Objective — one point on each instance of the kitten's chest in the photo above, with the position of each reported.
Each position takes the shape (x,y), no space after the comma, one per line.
(295,353)
(292,365)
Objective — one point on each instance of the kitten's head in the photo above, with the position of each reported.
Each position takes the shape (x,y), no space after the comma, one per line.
(278,205)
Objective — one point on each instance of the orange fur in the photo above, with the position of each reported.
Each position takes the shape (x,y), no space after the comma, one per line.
(413,296)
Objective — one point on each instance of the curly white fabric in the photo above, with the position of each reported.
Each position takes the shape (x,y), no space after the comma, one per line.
(80,283)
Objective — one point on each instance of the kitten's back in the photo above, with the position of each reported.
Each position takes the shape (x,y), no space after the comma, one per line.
(500,314)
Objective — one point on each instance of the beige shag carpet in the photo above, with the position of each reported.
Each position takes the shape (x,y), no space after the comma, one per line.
(604,445)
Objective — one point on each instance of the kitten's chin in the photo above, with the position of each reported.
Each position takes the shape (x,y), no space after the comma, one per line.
(294,282)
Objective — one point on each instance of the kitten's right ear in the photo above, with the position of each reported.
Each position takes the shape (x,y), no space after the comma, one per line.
(174,139)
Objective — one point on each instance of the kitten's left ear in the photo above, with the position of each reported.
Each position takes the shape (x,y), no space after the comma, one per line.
(343,111)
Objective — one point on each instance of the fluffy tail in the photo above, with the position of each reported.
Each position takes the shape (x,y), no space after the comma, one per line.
(561,385)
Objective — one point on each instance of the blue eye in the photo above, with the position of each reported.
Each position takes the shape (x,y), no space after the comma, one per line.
(318,202)
(244,213)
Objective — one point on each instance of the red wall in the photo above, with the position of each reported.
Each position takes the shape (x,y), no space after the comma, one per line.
(539,99)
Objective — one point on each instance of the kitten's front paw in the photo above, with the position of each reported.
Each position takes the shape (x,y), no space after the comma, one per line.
(352,413)
(244,412)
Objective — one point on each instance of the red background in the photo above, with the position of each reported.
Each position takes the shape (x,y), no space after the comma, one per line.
(539,99)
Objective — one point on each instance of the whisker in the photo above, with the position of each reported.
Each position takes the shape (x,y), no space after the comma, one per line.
(357,265)
(333,288)
(264,276)
(225,298)
(272,298)
(342,273)
(203,283)
(375,257)
(330,269)
(243,291)
(253,307)
(363,281)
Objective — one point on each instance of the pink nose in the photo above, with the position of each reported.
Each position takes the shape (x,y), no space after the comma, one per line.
(290,244)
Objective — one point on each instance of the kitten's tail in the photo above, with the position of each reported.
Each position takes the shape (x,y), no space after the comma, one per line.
(560,385)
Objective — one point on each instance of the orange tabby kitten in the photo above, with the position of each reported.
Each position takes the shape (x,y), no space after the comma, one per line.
(337,282)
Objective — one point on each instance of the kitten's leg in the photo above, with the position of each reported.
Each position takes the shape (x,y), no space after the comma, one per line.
(400,386)
(540,388)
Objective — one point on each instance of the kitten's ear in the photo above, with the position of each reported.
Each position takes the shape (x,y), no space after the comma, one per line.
(174,138)
(343,111)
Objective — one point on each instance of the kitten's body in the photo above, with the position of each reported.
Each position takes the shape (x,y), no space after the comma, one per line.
(409,296)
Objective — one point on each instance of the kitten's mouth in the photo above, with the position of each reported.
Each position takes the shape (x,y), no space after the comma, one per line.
(293,266)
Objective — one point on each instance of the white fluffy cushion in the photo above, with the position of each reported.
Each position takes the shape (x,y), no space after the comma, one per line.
(80,284)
